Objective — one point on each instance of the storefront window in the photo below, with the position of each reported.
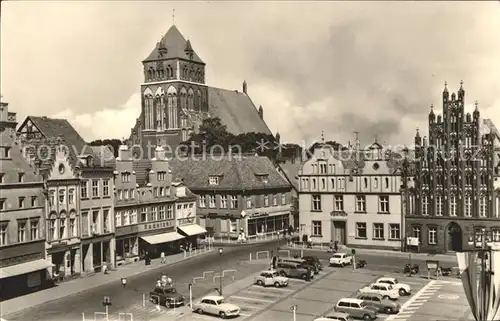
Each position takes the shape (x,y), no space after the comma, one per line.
(252,227)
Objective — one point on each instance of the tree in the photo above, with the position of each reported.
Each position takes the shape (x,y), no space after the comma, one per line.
(114,144)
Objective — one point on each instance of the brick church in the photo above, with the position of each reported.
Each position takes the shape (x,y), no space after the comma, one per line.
(176,99)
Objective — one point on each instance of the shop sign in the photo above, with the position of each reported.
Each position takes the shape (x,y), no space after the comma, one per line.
(155,225)
(412,241)
(260,214)
(338,214)
(187,220)
(432,265)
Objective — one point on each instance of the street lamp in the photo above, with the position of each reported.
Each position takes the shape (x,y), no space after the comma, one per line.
(220,273)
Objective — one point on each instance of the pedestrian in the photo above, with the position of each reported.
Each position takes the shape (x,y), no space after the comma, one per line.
(105,268)
(158,283)
(163,258)
(336,246)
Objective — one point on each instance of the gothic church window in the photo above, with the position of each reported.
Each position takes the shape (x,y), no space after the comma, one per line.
(190,99)
(197,102)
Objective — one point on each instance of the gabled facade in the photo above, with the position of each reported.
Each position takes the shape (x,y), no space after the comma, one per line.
(237,196)
(457,185)
(176,98)
(79,210)
(22,222)
(352,197)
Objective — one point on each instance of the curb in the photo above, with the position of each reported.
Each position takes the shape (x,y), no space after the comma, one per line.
(79,291)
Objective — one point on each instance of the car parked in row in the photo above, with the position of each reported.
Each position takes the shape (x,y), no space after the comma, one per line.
(340,259)
(385,290)
(377,301)
(166,296)
(271,278)
(337,316)
(313,260)
(304,263)
(215,305)
(294,270)
(403,289)
(356,308)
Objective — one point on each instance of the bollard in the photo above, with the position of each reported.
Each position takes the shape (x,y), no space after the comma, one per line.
(250,256)
(144,300)
(301,253)
(83,316)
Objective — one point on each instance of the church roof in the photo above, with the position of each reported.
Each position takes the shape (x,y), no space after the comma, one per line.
(175,45)
(236,110)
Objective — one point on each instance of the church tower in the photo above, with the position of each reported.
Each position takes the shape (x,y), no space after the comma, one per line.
(173,92)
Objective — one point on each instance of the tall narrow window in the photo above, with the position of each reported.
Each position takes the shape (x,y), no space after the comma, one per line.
(468,206)
(21,231)
(439,205)
(425,205)
(453,206)
(482,206)
(62,226)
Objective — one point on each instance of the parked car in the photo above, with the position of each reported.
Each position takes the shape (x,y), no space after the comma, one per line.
(356,308)
(215,305)
(340,259)
(315,260)
(378,302)
(385,290)
(294,270)
(271,278)
(404,289)
(338,316)
(304,263)
(167,296)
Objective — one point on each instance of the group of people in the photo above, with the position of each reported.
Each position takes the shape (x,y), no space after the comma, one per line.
(163,281)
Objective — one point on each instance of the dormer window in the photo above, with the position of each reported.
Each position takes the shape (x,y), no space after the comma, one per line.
(213,180)
(162,176)
(20,177)
(125,177)
(264,178)
(86,160)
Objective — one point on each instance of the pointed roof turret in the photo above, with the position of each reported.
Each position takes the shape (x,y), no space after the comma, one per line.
(176,47)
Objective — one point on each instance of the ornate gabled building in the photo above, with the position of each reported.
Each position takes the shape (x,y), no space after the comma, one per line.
(457,186)
(176,98)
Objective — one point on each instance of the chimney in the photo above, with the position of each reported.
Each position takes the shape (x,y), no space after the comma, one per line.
(123,153)
(244,87)
(160,154)
(261,112)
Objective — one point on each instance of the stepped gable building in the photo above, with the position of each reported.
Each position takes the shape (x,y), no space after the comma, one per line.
(351,196)
(176,98)
(22,222)
(79,207)
(457,185)
(153,212)
(237,196)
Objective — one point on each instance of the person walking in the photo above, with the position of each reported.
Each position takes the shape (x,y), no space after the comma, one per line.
(163,258)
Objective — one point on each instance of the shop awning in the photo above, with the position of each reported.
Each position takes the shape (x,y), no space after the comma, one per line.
(24,268)
(162,238)
(192,229)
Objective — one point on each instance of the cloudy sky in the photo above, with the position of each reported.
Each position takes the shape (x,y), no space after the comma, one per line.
(342,67)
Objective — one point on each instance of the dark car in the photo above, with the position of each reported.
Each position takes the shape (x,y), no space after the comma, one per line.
(313,260)
(304,263)
(167,296)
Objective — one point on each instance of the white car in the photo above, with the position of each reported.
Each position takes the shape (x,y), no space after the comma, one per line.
(335,316)
(385,290)
(271,278)
(215,305)
(404,289)
(340,259)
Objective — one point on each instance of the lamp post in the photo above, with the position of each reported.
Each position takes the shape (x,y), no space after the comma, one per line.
(220,273)
(404,195)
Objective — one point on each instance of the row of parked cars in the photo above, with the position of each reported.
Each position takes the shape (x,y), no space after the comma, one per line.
(378,297)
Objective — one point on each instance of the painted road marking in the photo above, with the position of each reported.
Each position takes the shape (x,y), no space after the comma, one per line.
(449,296)
(250,299)
(410,302)
(273,289)
(277,295)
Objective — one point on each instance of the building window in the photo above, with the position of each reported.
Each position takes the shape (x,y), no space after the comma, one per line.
(495,233)
(71,196)
(34,201)
(223,201)
(361,230)
(365,180)
(339,203)
(323,183)
(170,211)
(386,183)
(322,168)
(118,218)
(211,201)
(144,214)
(105,188)
(332,183)
(52,197)
(249,201)
(52,228)
(313,180)
(133,217)
(62,196)
(162,213)
(154,213)
(3,234)
(378,231)
(62,227)
(305,183)
(105,220)
(432,235)
(125,194)
(20,202)
(394,232)
(202,201)
(439,205)
(425,205)
(482,206)
(275,200)
(453,206)
(316,228)
(126,177)
(234,201)
(266,200)
(316,202)
(360,203)
(72,227)
(84,193)
(416,232)
(132,194)
(283,199)
(213,180)
(20,177)
(95,188)
(468,206)
(21,231)
(34,224)
(162,176)
(3,204)
(375,182)
(383,204)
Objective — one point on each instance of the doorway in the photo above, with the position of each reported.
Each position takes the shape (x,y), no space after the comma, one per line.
(454,236)
(338,232)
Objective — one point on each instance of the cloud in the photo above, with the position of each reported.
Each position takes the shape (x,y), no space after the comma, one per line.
(337,66)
